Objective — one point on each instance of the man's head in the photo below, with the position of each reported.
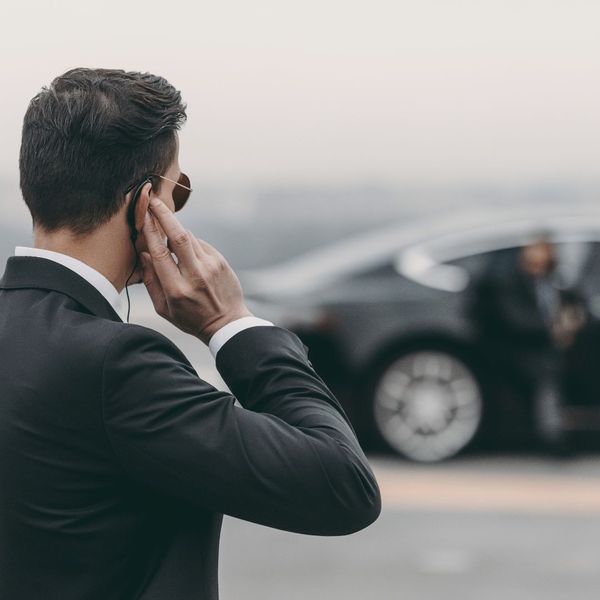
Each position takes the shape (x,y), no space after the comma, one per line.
(538,258)
(90,136)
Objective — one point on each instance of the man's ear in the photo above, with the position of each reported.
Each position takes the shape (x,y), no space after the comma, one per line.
(141,207)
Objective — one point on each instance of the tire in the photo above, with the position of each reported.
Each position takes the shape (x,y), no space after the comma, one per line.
(427,405)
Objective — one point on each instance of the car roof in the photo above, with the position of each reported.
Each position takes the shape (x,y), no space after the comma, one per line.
(445,235)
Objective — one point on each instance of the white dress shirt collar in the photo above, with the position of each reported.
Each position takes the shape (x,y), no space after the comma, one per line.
(95,278)
(108,290)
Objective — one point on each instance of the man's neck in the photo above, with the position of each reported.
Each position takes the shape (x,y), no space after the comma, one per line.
(98,250)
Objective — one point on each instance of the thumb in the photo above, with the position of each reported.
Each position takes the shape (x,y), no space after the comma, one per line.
(153,285)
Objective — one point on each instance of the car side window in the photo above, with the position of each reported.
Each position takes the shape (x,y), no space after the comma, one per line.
(578,264)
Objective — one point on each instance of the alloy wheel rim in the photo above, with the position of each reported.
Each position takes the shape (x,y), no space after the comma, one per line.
(427,405)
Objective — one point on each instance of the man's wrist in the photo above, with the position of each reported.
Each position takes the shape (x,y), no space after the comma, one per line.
(226,332)
(209,330)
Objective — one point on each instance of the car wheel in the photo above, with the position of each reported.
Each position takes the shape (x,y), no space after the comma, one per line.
(427,405)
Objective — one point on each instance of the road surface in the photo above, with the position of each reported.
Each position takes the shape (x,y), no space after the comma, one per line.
(486,528)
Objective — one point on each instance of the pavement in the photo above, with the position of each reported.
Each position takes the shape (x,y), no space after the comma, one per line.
(518,485)
(485,528)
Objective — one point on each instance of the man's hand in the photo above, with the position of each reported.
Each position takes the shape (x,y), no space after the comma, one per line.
(200,293)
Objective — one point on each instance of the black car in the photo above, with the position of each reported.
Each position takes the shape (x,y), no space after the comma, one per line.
(384,317)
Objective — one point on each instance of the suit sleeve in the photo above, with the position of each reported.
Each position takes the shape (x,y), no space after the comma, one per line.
(287,458)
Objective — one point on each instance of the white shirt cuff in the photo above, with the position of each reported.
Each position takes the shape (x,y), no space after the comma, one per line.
(228,331)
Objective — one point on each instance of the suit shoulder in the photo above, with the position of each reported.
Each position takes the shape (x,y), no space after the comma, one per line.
(127,338)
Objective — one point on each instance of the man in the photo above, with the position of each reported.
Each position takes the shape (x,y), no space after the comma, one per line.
(117,460)
(526,321)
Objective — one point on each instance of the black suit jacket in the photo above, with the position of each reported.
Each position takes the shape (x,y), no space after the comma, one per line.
(505,307)
(117,461)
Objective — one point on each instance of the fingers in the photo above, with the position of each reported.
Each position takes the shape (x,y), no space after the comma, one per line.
(179,240)
(209,258)
(208,249)
(201,253)
(153,285)
(163,263)
(209,255)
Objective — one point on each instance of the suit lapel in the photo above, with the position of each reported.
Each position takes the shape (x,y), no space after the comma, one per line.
(41,273)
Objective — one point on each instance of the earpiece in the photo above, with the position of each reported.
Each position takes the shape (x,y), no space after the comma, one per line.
(131,209)
(133,233)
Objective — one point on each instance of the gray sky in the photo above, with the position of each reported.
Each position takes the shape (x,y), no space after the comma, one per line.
(339,92)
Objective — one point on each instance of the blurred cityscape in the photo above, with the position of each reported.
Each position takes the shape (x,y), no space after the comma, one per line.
(257,227)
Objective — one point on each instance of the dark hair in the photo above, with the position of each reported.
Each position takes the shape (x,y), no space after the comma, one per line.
(89,136)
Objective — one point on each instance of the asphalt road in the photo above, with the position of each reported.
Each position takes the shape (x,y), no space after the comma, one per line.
(480,528)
